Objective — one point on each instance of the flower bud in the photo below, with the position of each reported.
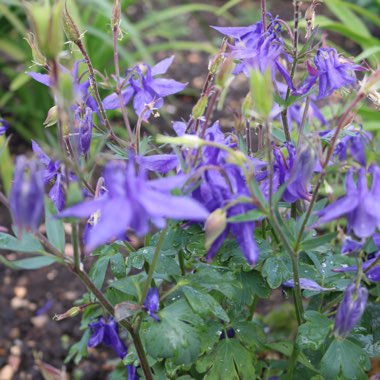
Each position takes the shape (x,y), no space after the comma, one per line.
(27,195)
(46,21)
(116,14)
(237,158)
(200,107)
(216,223)
(70,27)
(52,117)
(68,314)
(190,141)
(38,57)
(350,310)
(225,72)
(262,92)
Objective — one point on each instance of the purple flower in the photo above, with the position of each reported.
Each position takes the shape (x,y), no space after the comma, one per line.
(107,333)
(3,126)
(133,202)
(214,192)
(256,49)
(306,284)
(350,310)
(373,274)
(81,90)
(54,174)
(356,143)
(332,72)
(295,172)
(349,245)
(148,90)
(159,163)
(152,303)
(83,130)
(27,195)
(359,204)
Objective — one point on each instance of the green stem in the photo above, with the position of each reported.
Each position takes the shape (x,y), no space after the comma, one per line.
(181,260)
(95,90)
(292,362)
(293,255)
(91,287)
(153,264)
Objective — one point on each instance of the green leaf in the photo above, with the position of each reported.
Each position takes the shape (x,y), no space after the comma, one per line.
(203,303)
(286,348)
(252,284)
(348,18)
(305,48)
(344,358)
(212,279)
(314,242)
(79,349)
(118,267)
(250,333)
(28,243)
(313,333)
(276,271)
(98,270)
(166,264)
(175,336)
(229,360)
(54,227)
(30,263)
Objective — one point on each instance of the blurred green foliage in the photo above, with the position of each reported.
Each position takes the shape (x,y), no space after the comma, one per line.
(150,27)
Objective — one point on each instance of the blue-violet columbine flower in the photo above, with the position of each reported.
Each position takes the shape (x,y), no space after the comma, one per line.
(107,333)
(133,202)
(53,174)
(152,303)
(372,274)
(332,71)
(306,284)
(148,90)
(350,310)
(295,171)
(356,142)
(27,195)
(257,49)
(3,126)
(359,204)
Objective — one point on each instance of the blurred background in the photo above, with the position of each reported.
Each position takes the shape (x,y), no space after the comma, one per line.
(153,30)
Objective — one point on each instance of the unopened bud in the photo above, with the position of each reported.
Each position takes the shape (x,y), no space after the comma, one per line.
(190,141)
(329,190)
(52,117)
(237,158)
(247,106)
(27,195)
(68,314)
(309,16)
(116,14)
(350,310)
(38,57)
(70,27)
(200,107)
(225,72)
(215,63)
(46,21)
(262,92)
(215,224)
